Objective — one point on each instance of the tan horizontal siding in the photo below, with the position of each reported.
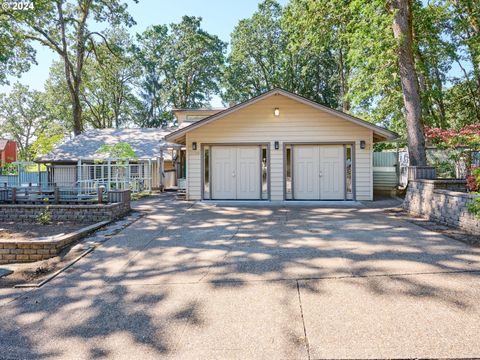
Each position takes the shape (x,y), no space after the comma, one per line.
(297,123)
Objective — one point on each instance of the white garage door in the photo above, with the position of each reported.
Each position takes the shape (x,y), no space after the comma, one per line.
(318,172)
(236,172)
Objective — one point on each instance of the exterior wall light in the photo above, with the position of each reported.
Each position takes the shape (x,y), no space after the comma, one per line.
(277,145)
(276,112)
(362,144)
(194,145)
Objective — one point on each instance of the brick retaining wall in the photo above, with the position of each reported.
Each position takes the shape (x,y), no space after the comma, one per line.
(444,201)
(41,248)
(77,213)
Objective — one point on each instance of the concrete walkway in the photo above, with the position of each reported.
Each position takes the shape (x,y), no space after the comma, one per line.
(197,281)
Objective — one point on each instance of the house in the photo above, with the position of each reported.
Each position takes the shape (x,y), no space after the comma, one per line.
(77,161)
(8,151)
(279,146)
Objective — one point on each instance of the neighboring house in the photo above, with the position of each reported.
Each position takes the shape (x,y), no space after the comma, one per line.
(8,151)
(77,161)
(279,146)
(158,164)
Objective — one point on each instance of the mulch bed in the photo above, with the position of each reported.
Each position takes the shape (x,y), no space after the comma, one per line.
(13,231)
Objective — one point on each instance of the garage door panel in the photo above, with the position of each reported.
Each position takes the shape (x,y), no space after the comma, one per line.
(223,171)
(318,172)
(332,168)
(236,172)
(306,182)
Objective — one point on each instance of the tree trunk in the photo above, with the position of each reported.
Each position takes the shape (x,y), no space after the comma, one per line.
(77,114)
(402,30)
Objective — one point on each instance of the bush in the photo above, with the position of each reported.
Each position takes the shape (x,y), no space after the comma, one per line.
(45,217)
(473,180)
(474,206)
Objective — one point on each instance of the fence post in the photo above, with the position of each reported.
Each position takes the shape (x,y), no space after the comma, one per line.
(100,194)
(14,195)
(56,194)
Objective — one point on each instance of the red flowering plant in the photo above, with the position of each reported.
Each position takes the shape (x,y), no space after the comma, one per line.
(460,143)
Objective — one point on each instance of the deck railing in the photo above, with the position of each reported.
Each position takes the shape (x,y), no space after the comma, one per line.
(61,195)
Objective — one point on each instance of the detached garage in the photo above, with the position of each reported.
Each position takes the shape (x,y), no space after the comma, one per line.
(279,146)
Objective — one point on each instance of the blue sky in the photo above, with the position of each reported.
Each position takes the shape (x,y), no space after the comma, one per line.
(219,18)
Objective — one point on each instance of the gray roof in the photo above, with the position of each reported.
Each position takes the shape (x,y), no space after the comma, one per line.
(146,143)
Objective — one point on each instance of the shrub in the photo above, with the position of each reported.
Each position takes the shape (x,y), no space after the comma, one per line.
(45,217)
(474,206)
(473,180)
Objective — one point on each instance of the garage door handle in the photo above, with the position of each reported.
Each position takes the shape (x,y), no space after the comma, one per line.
(319,174)
(233,174)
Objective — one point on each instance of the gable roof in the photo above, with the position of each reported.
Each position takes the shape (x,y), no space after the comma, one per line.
(146,143)
(380,132)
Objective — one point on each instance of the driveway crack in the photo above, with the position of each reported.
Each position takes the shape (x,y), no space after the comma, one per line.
(307,345)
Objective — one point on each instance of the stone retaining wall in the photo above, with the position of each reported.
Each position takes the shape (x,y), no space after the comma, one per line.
(41,248)
(444,201)
(77,213)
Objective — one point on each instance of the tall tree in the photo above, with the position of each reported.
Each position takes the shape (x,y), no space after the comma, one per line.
(108,85)
(182,66)
(402,31)
(22,117)
(63,27)
(256,60)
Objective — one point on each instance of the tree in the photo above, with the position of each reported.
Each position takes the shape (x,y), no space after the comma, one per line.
(256,60)
(318,45)
(107,93)
(63,27)
(22,117)
(182,66)
(402,31)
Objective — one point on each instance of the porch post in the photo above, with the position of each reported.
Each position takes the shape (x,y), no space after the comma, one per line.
(39,177)
(149,172)
(79,174)
(109,173)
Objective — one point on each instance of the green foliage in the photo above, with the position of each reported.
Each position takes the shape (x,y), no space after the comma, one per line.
(46,140)
(107,90)
(63,27)
(44,217)
(118,151)
(9,169)
(474,206)
(22,118)
(182,67)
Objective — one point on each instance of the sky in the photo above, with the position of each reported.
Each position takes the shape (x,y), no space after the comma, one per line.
(219,18)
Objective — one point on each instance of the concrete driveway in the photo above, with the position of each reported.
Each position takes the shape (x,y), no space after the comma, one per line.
(195,281)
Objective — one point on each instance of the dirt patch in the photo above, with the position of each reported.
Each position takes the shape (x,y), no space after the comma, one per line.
(12,231)
(35,272)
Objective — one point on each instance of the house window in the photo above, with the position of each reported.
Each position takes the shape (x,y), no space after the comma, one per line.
(264,164)
(349,172)
(206,172)
(288,173)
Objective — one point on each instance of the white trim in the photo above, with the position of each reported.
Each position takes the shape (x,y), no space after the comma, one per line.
(389,135)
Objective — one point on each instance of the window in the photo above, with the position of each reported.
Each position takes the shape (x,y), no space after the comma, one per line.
(206,172)
(349,172)
(264,165)
(288,172)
